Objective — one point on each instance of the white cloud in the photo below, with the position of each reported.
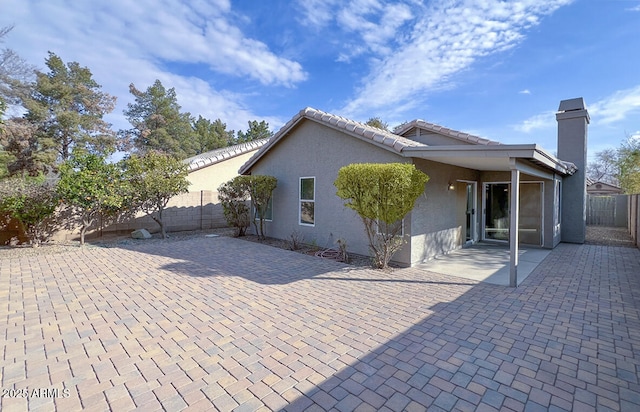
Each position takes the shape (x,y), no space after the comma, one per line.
(366,26)
(612,109)
(375,24)
(544,120)
(617,106)
(634,8)
(200,98)
(525,91)
(317,13)
(126,42)
(445,39)
(191,32)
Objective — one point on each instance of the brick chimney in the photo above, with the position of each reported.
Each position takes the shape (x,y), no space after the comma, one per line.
(573,120)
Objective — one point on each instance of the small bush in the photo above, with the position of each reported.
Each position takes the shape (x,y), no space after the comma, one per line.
(342,247)
(32,202)
(296,241)
(382,195)
(234,196)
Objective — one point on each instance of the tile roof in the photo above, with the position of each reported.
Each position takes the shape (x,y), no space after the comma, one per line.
(373,135)
(403,146)
(218,155)
(466,137)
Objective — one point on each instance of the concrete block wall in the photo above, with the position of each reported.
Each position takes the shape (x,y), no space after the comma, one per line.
(189,211)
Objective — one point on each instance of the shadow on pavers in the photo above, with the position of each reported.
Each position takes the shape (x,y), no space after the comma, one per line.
(226,256)
(484,348)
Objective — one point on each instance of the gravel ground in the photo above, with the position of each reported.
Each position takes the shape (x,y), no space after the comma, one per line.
(608,236)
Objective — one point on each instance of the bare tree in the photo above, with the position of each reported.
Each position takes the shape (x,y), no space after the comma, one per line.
(605,167)
(16,75)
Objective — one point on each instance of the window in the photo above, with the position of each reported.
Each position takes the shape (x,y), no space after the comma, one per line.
(268,216)
(307,201)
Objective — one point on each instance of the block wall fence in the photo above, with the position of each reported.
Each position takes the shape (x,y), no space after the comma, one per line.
(189,211)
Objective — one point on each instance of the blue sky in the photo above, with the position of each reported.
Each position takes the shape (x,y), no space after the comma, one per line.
(494,69)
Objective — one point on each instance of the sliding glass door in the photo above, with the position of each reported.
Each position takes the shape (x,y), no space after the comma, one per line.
(496,207)
(496,198)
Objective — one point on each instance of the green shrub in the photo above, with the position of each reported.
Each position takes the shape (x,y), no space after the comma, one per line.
(382,195)
(153,179)
(32,201)
(92,188)
(233,196)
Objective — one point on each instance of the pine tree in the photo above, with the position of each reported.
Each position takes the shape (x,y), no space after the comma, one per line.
(254,132)
(211,135)
(158,124)
(67,107)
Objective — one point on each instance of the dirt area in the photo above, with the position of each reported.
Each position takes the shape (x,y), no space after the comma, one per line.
(608,236)
(109,241)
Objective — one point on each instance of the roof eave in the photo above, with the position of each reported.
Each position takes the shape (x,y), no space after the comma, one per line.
(531,152)
(245,168)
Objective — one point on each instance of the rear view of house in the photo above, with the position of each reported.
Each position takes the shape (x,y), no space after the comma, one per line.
(474,183)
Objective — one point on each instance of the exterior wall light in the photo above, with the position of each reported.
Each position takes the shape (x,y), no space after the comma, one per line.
(451,186)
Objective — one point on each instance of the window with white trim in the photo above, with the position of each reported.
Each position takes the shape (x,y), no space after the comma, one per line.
(307,201)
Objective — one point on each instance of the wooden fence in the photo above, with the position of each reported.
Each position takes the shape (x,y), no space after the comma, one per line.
(610,211)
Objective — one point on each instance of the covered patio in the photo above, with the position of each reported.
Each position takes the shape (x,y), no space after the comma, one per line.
(530,160)
(487,262)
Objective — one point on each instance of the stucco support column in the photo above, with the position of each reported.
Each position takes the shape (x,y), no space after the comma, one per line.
(514,211)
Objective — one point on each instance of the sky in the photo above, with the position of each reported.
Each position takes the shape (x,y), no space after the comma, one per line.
(496,69)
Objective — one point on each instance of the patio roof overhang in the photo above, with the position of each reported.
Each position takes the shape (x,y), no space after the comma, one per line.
(530,158)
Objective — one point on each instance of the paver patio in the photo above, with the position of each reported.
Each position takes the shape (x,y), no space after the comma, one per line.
(220,323)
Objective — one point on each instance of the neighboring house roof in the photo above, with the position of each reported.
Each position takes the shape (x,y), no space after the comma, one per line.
(218,155)
(600,186)
(480,154)
(431,127)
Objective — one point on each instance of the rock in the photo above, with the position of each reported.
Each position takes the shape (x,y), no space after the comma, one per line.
(141,234)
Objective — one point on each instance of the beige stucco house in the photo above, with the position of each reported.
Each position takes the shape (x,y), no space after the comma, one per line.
(207,171)
(199,208)
(474,184)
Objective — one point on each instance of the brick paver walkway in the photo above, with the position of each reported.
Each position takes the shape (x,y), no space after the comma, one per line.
(231,325)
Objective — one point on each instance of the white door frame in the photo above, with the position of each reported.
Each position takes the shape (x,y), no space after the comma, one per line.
(474,215)
(484,202)
(484,210)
